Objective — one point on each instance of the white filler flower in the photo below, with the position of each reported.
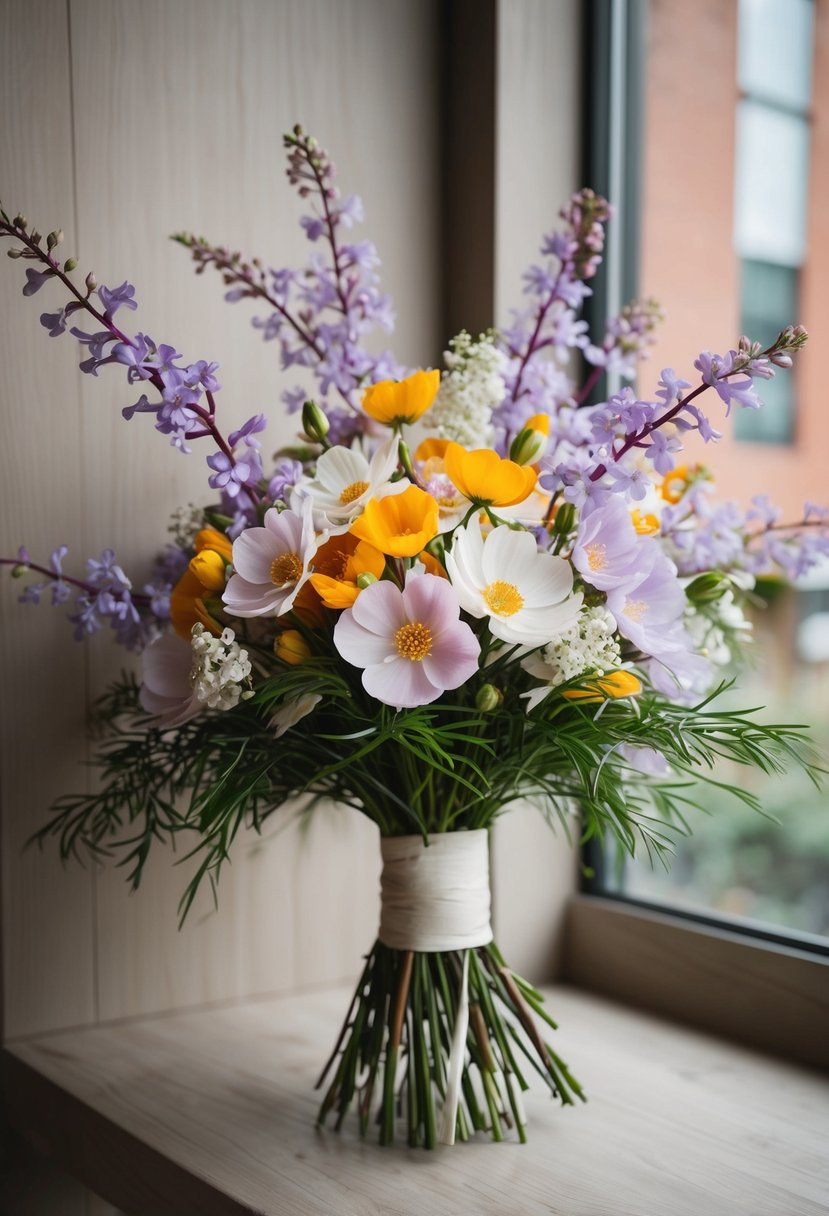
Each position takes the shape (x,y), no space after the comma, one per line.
(471,389)
(527,595)
(589,646)
(220,669)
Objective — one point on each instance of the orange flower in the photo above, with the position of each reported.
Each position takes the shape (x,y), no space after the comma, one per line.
(484,478)
(337,566)
(433,566)
(394,402)
(614,685)
(187,606)
(431,449)
(645,525)
(204,576)
(675,483)
(399,525)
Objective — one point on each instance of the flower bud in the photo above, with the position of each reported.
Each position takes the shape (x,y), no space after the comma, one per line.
(291,647)
(488,698)
(565,519)
(54,238)
(366,579)
(91,282)
(20,221)
(70,264)
(530,443)
(314,422)
(36,237)
(14,253)
(707,588)
(405,458)
(19,570)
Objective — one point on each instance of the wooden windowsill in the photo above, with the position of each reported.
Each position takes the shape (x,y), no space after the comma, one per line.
(213,1112)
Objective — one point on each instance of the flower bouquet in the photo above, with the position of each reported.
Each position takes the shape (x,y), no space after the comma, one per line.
(456,589)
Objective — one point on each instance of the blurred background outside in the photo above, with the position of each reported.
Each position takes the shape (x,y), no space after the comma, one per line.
(734,238)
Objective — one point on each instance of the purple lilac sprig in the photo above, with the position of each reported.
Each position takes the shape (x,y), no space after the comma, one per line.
(627,339)
(625,423)
(708,535)
(557,288)
(105,596)
(185,409)
(321,314)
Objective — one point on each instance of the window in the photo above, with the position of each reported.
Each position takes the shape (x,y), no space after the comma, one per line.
(726,253)
(771,178)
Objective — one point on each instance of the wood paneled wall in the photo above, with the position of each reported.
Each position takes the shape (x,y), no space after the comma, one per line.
(123,121)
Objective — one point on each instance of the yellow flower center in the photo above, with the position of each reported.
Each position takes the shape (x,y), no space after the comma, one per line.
(503,599)
(413,641)
(596,556)
(636,609)
(352,492)
(287,568)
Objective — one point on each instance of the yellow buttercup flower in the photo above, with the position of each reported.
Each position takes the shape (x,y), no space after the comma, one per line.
(394,402)
(205,575)
(399,525)
(209,568)
(612,686)
(337,566)
(291,647)
(484,478)
(212,538)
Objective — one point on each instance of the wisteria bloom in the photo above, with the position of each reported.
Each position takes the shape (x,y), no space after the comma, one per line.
(527,595)
(271,564)
(411,644)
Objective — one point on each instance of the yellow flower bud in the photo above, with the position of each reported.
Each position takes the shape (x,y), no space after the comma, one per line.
(291,647)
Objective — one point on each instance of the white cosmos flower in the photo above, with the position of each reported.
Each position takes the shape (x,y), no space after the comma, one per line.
(272,563)
(527,595)
(344,483)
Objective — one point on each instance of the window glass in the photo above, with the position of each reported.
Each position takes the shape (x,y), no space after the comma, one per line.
(770,184)
(732,239)
(775,50)
(768,301)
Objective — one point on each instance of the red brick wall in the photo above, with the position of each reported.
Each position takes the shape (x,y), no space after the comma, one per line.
(688,259)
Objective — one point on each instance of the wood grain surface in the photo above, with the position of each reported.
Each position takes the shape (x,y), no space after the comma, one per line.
(213,1112)
(124,122)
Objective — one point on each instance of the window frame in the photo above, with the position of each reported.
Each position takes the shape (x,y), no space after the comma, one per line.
(743,980)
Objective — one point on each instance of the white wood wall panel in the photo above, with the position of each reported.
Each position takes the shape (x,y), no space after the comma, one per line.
(178,114)
(46,913)
(537,159)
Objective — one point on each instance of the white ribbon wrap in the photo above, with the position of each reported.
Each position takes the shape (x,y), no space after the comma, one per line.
(434,898)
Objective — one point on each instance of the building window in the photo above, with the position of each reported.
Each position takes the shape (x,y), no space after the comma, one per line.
(774,75)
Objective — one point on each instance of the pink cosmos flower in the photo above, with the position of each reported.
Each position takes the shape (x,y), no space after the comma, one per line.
(412,643)
(167,691)
(271,563)
(608,552)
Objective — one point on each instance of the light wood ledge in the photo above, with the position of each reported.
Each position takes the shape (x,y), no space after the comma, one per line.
(213,1112)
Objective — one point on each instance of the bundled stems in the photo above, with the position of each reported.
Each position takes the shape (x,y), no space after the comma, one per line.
(391,1057)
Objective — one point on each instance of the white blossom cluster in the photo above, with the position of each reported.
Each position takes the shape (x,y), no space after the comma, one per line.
(472,387)
(185,522)
(590,646)
(719,631)
(220,668)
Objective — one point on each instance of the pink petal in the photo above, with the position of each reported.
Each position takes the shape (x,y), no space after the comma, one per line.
(400,683)
(380,609)
(430,599)
(253,553)
(358,646)
(454,656)
(242,598)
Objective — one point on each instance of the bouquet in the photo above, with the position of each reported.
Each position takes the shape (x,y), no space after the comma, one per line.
(456,589)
